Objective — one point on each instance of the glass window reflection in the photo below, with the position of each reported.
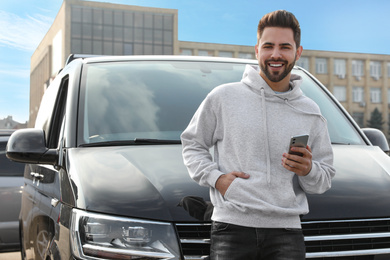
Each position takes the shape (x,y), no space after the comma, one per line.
(121,101)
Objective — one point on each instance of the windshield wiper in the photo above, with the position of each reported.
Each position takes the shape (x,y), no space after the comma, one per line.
(136,141)
(155,141)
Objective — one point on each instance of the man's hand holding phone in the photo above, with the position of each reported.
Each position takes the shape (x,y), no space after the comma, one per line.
(299,157)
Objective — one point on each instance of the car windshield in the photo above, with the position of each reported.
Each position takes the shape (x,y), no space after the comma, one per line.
(155,100)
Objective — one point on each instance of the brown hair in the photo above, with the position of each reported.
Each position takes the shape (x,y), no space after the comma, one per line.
(280,18)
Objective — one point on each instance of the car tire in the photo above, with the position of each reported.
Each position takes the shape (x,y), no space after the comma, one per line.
(41,243)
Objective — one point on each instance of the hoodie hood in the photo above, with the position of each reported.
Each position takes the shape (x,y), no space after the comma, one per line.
(294,98)
(252,79)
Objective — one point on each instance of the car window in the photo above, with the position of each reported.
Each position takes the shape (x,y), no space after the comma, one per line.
(7,167)
(58,114)
(149,99)
(340,128)
(44,117)
(124,101)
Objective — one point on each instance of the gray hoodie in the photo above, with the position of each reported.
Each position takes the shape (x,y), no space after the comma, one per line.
(250,126)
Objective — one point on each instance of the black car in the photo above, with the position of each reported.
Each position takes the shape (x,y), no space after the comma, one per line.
(105,177)
(11,186)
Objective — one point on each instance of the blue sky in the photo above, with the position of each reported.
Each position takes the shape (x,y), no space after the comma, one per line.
(333,25)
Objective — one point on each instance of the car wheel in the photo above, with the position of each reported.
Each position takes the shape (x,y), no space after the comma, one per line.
(42,241)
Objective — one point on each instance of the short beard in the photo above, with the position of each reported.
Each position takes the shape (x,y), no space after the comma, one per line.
(276,77)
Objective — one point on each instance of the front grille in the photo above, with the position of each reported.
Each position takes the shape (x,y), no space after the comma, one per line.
(338,240)
(195,240)
(348,238)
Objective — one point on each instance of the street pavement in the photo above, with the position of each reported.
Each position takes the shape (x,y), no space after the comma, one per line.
(10,256)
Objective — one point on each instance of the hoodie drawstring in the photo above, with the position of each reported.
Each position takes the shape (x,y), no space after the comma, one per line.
(303,112)
(265,131)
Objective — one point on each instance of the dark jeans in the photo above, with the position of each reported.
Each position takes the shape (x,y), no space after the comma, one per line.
(232,242)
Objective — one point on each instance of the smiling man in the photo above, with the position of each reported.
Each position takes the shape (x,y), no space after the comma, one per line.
(257,188)
(277,52)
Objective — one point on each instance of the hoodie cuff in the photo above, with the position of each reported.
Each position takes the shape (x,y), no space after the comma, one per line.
(312,176)
(213,177)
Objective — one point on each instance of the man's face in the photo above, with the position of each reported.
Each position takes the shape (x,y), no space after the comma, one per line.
(276,53)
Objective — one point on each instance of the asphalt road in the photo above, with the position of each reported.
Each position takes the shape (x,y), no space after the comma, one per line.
(10,256)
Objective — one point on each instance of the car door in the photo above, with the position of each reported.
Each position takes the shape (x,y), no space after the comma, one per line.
(43,189)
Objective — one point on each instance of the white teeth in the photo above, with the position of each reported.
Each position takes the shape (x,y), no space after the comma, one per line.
(275,65)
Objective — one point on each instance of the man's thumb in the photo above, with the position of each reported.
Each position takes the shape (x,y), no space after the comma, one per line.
(242,175)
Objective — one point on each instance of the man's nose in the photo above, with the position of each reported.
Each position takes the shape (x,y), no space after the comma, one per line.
(276,53)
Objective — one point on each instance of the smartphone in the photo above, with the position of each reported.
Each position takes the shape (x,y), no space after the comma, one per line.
(298,141)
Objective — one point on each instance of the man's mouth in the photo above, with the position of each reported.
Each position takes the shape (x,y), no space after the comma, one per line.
(275,65)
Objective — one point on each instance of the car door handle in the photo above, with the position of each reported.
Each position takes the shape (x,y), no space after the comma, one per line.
(36,175)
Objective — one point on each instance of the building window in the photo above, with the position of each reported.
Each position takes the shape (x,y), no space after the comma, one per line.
(303,62)
(359,118)
(186,52)
(358,94)
(375,69)
(358,69)
(375,95)
(340,68)
(321,66)
(128,49)
(340,92)
(226,54)
(243,55)
(388,69)
(388,97)
(106,31)
(205,53)
(76,14)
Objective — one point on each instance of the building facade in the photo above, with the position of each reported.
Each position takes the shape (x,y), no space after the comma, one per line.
(10,123)
(86,27)
(359,81)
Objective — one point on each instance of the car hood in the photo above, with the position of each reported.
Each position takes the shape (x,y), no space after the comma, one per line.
(360,188)
(146,181)
(150,182)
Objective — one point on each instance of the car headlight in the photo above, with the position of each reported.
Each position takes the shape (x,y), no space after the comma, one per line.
(95,236)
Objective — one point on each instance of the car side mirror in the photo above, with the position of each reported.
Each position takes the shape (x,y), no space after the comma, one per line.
(29,146)
(377,138)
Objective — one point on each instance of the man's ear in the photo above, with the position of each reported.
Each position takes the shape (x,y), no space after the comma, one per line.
(299,53)
(256,50)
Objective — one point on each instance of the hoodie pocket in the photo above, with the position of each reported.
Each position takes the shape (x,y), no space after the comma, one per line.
(220,200)
(256,193)
(230,189)
(241,193)
(234,197)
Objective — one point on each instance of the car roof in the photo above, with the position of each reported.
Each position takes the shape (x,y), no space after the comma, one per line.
(103,58)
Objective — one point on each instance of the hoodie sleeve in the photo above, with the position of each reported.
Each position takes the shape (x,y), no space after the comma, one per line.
(320,177)
(197,139)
